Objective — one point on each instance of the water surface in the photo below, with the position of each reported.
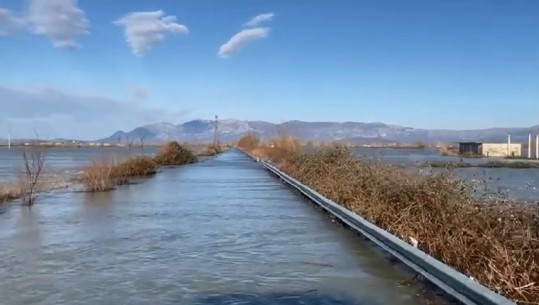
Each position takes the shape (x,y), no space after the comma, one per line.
(512,183)
(219,232)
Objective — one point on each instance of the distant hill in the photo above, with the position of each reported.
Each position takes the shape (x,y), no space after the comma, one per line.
(231,130)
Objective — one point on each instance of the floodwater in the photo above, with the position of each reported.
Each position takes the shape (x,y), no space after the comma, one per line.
(223,231)
(63,160)
(511,183)
(518,184)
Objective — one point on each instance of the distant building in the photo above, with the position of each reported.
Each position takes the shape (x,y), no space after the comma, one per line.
(501,149)
(490,149)
(470,148)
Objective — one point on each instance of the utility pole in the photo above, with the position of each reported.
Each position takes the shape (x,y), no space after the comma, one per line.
(216,133)
(530,145)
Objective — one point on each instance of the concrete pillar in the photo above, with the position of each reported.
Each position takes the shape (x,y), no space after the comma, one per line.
(529,146)
(508,144)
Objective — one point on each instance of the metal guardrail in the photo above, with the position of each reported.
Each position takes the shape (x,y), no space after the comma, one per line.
(448,279)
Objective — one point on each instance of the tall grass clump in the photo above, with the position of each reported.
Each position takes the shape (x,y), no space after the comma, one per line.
(278,149)
(282,147)
(100,175)
(495,244)
(104,174)
(138,166)
(9,192)
(249,142)
(211,150)
(173,153)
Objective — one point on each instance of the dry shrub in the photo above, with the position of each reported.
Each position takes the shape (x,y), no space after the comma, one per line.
(279,149)
(100,175)
(33,163)
(211,150)
(173,153)
(9,192)
(104,174)
(496,244)
(138,166)
(249,142)
(446,150)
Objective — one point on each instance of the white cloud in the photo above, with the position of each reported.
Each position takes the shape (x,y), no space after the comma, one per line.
(9,22)
(145,29)
(60,20)
(55,113)
(240,39)
(257,20)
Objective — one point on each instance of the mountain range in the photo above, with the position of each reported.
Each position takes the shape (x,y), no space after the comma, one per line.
(231,130)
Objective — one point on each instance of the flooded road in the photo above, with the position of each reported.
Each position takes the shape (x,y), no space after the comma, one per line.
(223,231)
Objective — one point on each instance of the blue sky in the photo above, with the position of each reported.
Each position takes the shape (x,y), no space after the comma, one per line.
(458,64)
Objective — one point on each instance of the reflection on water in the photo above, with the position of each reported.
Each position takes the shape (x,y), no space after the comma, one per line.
(519,184)
(219,232)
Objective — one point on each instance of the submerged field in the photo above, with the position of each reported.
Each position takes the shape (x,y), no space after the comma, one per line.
(506,182)
(514,183)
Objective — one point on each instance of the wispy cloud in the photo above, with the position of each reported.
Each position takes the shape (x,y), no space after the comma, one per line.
(59,20)
(240,39)
(257,20)
(9,22)
(143,30)
(245,36)
(55,113)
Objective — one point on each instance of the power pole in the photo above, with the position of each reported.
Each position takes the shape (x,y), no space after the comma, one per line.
(216,133)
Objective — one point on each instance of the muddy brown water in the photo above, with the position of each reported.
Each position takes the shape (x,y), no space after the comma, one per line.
(223,231)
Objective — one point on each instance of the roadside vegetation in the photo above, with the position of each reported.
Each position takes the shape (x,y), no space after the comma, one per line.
(173,153)
(31,178)
(101,174)
(495,244)
(105,174)
(211,150)
(8,192)
(28,182)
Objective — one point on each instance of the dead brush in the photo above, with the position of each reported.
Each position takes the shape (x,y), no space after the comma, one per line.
(173,153)
(104,174)
(249,142)
(210,150)
(138,166)
(495,244)
(9,192)
(100,175)
(278,149)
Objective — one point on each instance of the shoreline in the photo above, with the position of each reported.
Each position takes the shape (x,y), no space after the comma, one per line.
(518,164)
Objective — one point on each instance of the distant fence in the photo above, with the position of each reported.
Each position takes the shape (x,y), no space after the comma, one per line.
(448,279)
